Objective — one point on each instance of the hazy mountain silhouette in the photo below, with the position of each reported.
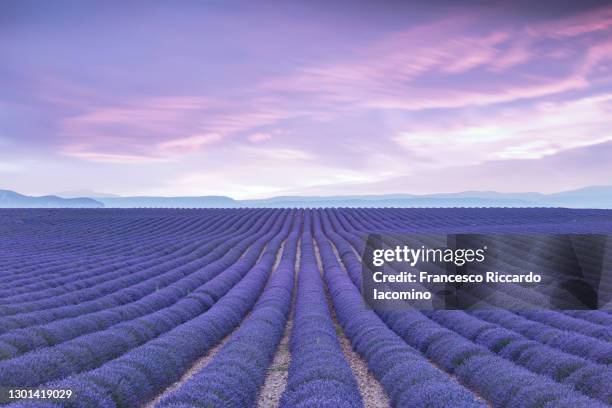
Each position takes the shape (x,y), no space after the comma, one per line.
(169,202)
(84,193)
(588,197)
(11,199)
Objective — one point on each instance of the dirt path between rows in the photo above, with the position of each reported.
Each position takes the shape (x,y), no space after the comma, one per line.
(278,372)
(372,392)
(197,366)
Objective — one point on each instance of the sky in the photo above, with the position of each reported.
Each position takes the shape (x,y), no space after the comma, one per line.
(257,99)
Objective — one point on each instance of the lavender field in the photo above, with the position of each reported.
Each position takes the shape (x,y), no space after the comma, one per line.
(262,307)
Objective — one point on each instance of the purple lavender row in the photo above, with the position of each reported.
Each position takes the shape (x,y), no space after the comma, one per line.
(81,270)
(584,376)
(594,348)
(119,278)
(91,350)
(237,371)
(575,343)
(120,295)
(564,322)
(145,371)
(496,379)
(17,342)
(598,317)
(598,351)
(76,242)
(409,379)
(193,258)
(319,375)
(46,273)
(89,265)
(593,316)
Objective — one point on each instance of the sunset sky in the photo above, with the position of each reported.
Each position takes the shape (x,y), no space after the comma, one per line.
(258,99)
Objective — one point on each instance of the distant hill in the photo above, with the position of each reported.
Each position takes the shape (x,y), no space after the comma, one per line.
(168,202)
(419,201)
(588,197)
(84,193)
(595,196)
(11,199)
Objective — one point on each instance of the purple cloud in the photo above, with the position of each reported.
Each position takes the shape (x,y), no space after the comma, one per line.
(256,101)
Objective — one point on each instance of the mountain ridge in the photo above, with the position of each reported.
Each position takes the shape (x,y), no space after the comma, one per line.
(12,199)
(587,197)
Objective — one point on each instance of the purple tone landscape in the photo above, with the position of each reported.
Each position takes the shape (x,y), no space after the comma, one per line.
(187,189)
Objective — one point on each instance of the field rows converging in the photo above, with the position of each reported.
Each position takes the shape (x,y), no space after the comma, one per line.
(263,307)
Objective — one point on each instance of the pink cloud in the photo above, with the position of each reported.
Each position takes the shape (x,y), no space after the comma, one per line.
(83,153)
(468,53)
(358,96)
(454,63)
(505,134)
(430,99)
(151,128)
(591,21)
(259,137)
(402,56)
(407,70)
(567,170)
(189,144)
(596,55)
(517,54)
